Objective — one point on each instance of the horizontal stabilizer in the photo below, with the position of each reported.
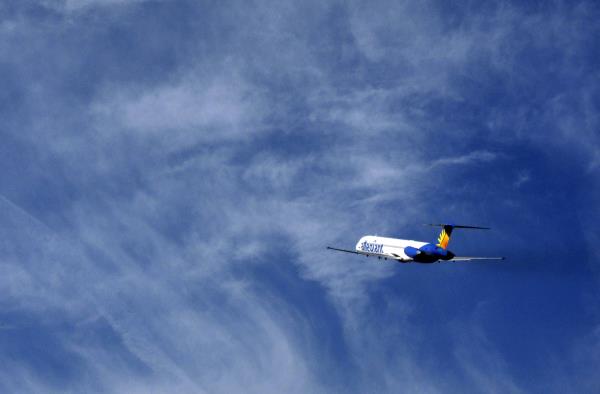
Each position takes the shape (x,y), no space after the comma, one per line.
(456,226)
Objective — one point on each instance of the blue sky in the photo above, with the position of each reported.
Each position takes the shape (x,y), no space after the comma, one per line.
(173,170)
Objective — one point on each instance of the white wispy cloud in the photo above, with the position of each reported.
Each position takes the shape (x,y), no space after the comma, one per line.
(199,108)
(184,189)
(71,6)
(522,178)
(473,157)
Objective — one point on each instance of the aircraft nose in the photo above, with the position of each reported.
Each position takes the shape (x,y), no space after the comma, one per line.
(358,244)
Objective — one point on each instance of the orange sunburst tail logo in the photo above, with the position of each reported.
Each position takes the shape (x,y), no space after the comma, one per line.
(444,237)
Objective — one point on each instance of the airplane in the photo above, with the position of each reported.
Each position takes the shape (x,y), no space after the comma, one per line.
(408,251)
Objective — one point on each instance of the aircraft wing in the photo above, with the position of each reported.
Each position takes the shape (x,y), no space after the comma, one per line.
(394,257)
(350,251)
(475,258)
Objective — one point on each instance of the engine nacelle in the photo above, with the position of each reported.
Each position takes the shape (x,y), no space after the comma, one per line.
(428,253)
(411,252)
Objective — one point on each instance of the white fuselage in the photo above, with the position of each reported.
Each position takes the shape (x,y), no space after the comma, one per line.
(387,247)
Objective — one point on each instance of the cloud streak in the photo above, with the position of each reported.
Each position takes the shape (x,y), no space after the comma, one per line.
(188,208)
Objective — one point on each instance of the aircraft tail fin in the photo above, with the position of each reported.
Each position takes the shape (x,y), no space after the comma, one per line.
(444,237)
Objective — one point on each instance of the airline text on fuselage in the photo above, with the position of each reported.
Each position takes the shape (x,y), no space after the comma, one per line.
(371,247)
